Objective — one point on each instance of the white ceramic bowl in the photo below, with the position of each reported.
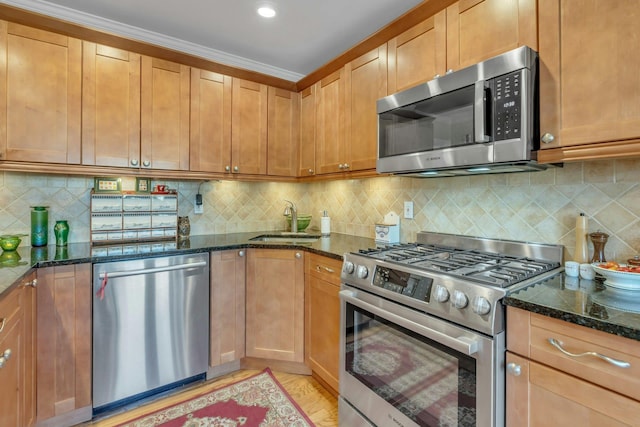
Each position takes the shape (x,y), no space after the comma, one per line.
(619,279)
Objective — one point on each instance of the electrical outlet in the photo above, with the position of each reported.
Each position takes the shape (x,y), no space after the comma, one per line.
(198,209)
(408,210)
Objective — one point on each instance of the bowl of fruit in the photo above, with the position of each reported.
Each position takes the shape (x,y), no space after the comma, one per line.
(618,275)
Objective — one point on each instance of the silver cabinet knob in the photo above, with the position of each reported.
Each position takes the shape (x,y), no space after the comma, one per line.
(436,76)
(298,255)
(6,355)
(227,168)
(134,162)
(310,171)
(449,71)
(33,283)
(240,253)
(514,369)
(235,169)
(146,163)
(340,166)
(547,138)
(346,166)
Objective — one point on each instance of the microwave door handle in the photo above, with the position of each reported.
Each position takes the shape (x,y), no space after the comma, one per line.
(480,113)
(463,344)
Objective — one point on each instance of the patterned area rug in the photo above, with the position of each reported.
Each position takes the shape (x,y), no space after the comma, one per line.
(257,401)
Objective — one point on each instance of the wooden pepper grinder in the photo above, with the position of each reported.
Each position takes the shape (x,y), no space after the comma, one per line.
(599,239)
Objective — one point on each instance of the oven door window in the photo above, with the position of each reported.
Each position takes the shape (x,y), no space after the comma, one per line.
(428,382)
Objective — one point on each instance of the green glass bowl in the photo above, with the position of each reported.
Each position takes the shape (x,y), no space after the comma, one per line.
(9,243)
(303,221)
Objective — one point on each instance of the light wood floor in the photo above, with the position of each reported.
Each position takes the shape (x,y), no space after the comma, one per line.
(319,405)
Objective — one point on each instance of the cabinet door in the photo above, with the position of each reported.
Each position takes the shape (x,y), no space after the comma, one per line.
(210,144)
(283,132)
(110,106)
(590,99)
(227,320)
(418,54)
(165,115)
(40,95)
(540,396)
(322,328)
(330,152)
(11,371)
(275,304)
(366,82)
(480,29)
(307,131)
(249,127)
(63,340)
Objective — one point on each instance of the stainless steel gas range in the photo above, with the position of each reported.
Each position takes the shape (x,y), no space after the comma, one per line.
(423,328)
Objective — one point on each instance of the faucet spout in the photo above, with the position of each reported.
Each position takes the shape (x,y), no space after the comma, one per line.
(293,211)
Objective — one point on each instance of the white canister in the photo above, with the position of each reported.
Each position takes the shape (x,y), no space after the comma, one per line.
(325,224)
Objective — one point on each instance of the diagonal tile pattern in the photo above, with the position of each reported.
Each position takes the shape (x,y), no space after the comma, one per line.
(539,206)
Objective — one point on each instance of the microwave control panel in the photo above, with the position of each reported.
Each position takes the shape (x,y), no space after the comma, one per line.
(507,101)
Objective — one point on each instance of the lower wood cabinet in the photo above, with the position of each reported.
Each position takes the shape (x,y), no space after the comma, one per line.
(64,360)
(227,319)
(322,318)
(275,304)
(548,388)
(17,352)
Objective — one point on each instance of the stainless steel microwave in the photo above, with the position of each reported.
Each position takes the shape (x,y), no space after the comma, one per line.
(480,119)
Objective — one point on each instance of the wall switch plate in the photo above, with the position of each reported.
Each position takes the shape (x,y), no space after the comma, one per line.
(198,209)
(408,210)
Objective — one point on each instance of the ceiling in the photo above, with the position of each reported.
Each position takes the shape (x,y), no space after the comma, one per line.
(302,37)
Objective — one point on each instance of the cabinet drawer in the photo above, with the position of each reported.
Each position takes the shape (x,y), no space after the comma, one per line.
(324,268)
(579,339)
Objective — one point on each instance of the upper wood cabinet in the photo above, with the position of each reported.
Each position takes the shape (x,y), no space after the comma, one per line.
(283,132)
(110,106)
(480,29)
(210,143)
(418,54)
(164,115)
(365,83)
(586,45)
(249,128)
(40,95)
(330,153)
(307,150)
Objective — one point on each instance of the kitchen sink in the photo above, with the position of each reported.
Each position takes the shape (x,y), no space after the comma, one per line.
(297,238)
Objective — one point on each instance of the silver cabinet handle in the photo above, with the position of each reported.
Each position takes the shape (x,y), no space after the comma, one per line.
(310,171)
(547,138)
(114,274)
(227,168)
(298,255)
(4,320)
(146,163)
(236,169)
(619,363)
(5,356)
(240,253)
(327,269)
(134,162)
(33,283)
(514,369)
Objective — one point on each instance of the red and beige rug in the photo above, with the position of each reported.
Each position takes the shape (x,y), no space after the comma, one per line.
(257,401)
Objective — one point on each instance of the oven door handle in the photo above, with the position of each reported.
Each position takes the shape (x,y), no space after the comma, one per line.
(463,344)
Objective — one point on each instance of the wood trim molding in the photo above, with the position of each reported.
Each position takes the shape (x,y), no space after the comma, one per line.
(599,151)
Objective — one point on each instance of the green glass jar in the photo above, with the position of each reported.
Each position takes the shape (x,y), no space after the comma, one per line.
(39,226)
(61,230)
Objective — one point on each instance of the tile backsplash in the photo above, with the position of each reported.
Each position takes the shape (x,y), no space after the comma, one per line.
(533,206)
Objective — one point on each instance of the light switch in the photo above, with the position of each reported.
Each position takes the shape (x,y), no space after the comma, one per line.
(408,210)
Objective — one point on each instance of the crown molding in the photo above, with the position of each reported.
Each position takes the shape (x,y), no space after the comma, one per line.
(139,34)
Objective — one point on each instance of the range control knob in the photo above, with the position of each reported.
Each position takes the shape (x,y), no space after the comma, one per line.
(481,306)
(459,299)
(441,294)
(348,267)
(362,272)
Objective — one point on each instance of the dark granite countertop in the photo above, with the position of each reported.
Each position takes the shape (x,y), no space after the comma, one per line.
(587,303)
(15,265)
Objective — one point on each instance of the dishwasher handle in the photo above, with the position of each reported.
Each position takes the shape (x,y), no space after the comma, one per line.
(115,274)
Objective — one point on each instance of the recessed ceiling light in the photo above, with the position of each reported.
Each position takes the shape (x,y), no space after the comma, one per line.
(266,11)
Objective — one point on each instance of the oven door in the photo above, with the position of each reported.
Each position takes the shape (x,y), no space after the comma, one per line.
(399,366)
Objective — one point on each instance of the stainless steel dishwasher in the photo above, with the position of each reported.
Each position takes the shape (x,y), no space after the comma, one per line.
(150,326)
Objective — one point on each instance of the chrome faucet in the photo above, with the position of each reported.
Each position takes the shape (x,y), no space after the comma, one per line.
(293,211)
